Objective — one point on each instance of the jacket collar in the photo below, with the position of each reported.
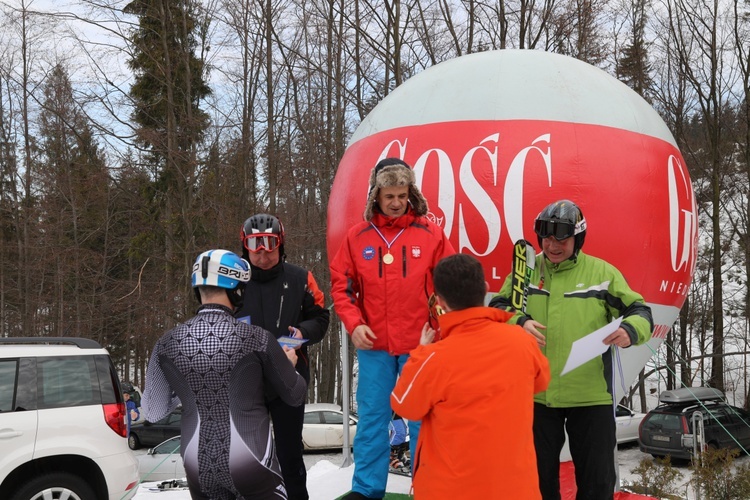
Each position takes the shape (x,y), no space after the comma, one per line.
(450,321)
(204,308)
(564,265)
(264,275)
(383,221)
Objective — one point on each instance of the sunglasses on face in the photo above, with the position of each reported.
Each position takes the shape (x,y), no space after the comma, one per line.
(557,229)
(257,242)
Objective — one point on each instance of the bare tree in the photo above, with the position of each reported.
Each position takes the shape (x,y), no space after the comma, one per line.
(244,37)
(576,30)
(698,32)
(741,32)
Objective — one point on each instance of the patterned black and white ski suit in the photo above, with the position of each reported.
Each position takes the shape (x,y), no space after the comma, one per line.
(219,370)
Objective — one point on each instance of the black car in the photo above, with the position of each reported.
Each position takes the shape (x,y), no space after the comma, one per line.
(669,429)
(151,434)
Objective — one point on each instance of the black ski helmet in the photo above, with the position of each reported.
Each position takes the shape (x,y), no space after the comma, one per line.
(561,219)
(262,223)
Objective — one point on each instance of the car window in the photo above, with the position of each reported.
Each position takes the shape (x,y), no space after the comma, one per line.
(168,447)
(68,381)
(108,381)
(331,417)
(664,421)
(622,412)
(718,416)
(740,415)
(8,369)
(169,419)
(312,417)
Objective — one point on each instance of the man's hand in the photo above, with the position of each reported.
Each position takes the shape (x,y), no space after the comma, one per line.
(620,338)
(291,355)
(428,334)
(362,337)
(533,328)
(296,333)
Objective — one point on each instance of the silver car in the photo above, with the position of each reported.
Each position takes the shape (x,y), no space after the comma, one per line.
(162,462)
(324,427)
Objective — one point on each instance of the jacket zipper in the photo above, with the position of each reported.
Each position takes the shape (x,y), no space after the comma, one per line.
(278,320)
(380,262)
(403,256)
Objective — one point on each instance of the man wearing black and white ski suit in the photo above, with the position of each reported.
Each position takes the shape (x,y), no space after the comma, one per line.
(220,369)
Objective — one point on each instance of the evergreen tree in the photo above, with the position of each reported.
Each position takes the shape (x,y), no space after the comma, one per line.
(73,211)
(633,67)
(169,86)
(169,78)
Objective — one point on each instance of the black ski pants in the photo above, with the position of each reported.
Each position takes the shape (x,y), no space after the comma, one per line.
(287,432)
(592,446)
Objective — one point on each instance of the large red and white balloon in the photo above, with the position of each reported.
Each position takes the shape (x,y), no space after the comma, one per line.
(495,136)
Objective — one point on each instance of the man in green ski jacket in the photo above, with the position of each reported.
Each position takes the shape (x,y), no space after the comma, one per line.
(570,295)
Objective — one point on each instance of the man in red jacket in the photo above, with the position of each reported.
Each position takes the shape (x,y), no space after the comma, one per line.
(381,280)
(473,390)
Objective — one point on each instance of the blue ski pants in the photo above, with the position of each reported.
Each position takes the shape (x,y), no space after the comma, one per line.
(378,372)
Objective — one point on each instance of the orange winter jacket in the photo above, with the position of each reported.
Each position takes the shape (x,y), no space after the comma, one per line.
(474,392)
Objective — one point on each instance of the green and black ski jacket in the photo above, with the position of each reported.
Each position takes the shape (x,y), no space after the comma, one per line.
(573,299)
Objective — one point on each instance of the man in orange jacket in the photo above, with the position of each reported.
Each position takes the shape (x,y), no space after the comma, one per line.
(474,392)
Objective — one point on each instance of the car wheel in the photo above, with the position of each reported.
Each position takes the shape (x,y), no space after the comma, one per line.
(133,442)
(54,486)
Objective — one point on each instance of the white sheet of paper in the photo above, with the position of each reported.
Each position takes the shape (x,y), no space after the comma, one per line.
(590,346)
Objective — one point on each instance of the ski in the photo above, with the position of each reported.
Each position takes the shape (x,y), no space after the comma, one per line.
(524,259)
(401,471)
(172,485)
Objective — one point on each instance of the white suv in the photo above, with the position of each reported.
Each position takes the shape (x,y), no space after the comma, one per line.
(62,422)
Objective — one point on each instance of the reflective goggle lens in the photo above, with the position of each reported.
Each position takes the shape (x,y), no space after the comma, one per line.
(556,229)
(258,242)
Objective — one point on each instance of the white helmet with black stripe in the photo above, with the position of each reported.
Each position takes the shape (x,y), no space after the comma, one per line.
(221,269)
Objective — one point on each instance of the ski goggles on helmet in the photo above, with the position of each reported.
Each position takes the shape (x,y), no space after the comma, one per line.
(256,242)
(559,230)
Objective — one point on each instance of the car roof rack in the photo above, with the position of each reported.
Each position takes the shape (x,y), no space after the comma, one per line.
(691,395)
(79,341)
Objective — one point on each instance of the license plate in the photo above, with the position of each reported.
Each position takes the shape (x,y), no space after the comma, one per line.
(660,438)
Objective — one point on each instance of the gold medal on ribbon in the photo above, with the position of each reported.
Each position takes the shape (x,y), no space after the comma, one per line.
(387,258)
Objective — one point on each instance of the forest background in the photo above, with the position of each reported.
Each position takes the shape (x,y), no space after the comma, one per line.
(136,134)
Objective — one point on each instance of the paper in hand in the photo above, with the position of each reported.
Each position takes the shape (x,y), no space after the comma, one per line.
(291,342)
(590,346)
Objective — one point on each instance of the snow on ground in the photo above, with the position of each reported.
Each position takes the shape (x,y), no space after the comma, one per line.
(326,480)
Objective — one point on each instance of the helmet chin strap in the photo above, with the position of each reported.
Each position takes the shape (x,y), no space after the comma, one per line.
(235,296)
